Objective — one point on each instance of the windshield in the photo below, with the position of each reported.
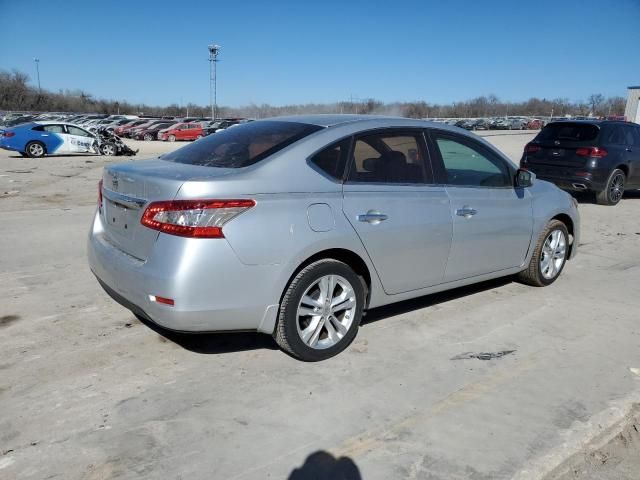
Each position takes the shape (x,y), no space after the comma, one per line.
(242,146)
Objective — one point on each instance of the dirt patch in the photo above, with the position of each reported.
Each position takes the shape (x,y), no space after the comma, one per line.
(7,320)
(617,459)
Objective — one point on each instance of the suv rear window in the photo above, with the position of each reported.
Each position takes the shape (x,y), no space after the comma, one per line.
(569,131)
(243,145)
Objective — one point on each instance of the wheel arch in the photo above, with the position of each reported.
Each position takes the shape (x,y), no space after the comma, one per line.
(44,145)
(346,256)
(568,222)
(624,168)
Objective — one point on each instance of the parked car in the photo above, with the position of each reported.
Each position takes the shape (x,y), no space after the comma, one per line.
(133,132)
(518,123)
(213,127)
(602,157)
(209,237)
(37,139)
(182,131)
(120,131)
(535,124)
(151,133)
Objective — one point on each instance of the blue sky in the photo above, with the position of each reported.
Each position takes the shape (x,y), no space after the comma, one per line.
(283,52)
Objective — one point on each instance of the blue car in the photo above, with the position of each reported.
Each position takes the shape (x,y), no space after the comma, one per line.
(37,139)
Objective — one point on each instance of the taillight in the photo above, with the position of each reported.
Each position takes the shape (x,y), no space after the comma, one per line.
(100,194)
(9,134)
(595,152)
(193,218)
(530,148)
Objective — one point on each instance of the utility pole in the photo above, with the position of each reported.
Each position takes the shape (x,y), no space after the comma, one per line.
(37,60)
(214,50)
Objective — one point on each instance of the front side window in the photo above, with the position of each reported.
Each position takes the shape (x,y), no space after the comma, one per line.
(243,145)
(388,158)
(468,165)
(77,131)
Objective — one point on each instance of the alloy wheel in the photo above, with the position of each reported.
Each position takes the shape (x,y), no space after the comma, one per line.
(553,255)
(326,311)
(108,149)
(36,150)
(616,188)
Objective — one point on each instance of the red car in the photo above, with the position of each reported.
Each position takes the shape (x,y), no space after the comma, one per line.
(127,126)
(535,124)
(183,131)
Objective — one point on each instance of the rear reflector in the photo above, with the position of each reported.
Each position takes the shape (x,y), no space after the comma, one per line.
(532,148)
(163,300)
(100,194)
(595,152)
(193,218)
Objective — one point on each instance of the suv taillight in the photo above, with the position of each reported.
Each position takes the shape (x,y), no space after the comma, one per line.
(9,134)
(530,148)
(193,218)
(594,152)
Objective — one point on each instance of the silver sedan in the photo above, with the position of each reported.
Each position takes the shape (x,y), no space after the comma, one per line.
(295,226)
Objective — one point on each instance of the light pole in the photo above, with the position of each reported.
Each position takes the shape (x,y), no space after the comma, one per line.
(37,60)
(214,50)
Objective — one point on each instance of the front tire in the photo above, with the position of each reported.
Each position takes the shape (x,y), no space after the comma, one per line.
(35,149)
(172,138)
(549,256)
(108,149)
(614,189)
(148,137)
(320,311)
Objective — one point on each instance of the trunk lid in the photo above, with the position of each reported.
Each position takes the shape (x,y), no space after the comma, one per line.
(128,189)
(559,141)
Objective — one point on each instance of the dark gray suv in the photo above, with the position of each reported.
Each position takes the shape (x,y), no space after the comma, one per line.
(602,157)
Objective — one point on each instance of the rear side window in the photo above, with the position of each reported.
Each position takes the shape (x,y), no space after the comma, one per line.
(569,132)
(333,159)
(243,145)
(388,158)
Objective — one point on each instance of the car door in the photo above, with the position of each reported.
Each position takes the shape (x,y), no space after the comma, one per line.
(80,141)
(632,154)
(402,219)
(492,220)
(54,139)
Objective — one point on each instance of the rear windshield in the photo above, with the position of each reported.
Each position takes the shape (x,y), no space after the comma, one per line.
(569,131)
(243,145)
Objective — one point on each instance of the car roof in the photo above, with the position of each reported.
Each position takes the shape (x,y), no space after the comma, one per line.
(592,122)
(334,120)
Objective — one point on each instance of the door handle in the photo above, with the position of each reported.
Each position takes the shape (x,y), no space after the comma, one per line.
(628,149)
(372,216)
(466,212)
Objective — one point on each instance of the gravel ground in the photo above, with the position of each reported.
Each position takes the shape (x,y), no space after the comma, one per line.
(88,392)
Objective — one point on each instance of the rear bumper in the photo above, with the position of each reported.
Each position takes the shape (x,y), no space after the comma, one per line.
(563,178)
(212,289)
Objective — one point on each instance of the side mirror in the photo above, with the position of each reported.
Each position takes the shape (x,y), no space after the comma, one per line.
(524,178)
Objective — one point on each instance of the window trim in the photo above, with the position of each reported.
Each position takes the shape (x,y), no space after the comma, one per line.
(417,132)
(440,173)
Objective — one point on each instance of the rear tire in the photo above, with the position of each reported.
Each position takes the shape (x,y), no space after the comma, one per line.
(614,189)
(172,138)
(549,258)
(148,137)
(35,149)
(324,331)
